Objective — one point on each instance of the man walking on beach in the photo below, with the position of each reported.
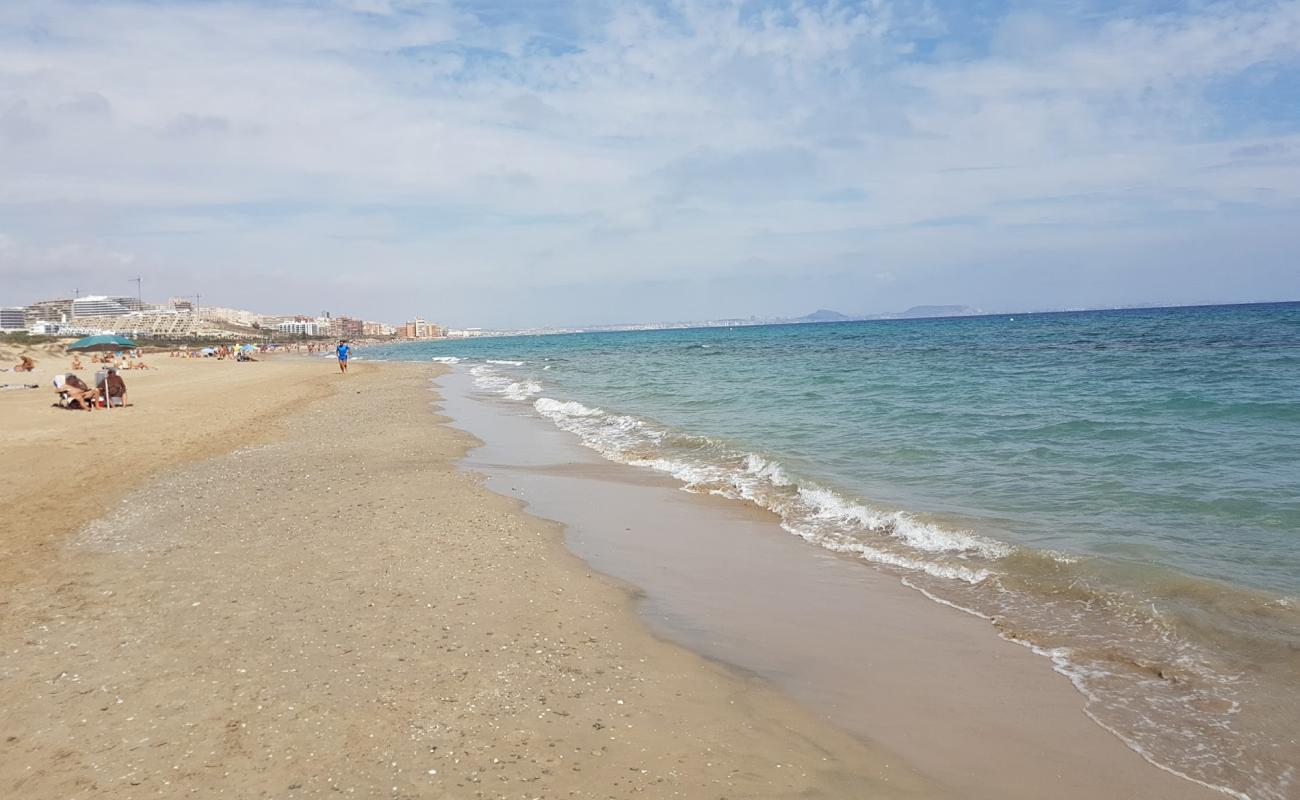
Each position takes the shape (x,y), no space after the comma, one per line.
(344,351)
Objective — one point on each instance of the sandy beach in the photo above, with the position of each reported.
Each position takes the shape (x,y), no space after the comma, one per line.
(64,468)
(269,580)
(276,583)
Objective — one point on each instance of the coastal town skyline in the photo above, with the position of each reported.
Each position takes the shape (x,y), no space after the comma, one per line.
(185,317)
(85,314)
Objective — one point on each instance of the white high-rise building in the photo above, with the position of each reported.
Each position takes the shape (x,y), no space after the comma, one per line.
(300,328)
(13,319)
(98,306)
(50,311)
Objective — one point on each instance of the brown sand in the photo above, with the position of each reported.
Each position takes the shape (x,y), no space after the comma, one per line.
(63,468)
(335,608)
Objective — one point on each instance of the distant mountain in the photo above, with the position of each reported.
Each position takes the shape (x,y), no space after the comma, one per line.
(823,315)
(919,312)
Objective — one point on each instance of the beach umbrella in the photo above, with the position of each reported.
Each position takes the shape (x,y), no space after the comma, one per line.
(100,344)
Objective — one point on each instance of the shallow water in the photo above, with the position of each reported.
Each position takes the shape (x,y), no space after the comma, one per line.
(1118,490)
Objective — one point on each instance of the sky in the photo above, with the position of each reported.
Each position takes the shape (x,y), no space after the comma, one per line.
(513,164)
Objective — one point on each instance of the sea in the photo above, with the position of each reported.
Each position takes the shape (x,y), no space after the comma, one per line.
(1118,491)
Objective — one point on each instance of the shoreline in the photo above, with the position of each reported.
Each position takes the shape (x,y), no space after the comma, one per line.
(853,644)
(1193,674)
(339,607)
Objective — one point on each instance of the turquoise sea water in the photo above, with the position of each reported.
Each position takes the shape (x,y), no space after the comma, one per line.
(1118,490)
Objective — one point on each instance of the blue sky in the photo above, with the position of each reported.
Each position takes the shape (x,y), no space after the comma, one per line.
(512,164)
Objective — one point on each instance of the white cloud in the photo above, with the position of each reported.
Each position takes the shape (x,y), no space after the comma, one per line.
(61,268)
(438,146)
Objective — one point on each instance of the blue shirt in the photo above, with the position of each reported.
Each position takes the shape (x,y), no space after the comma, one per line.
(344,350)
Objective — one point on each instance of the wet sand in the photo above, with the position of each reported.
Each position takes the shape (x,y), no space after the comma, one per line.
(979,716)
(268,581)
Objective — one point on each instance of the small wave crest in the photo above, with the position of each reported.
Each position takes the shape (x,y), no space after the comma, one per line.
(446,359)
(487,379)
(810,511)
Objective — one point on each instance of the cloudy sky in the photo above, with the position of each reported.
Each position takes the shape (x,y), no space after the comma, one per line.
(518,163)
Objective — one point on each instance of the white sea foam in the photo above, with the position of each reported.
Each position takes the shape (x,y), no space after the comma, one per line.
(845,544)
(522,390)
(944,602)
(814,513)
(489,380)
(766,470)
(505,363)
(557,410)
(446,359)
(1081,676)
(899,524)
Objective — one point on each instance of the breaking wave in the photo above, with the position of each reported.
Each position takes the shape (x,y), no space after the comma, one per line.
(488,379)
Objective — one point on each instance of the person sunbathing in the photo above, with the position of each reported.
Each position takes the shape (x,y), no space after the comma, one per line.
(76,362)
(26,364)
(113,388)
(78,392)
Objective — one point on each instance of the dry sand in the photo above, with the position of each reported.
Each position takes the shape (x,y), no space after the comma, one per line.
(334,608)
(62,468)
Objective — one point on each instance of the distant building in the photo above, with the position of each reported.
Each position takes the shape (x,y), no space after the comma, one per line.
(296,327)
(340,327)
(43,328)
(347,327)
(13,318)
(173,324)
(133,303)
(464,333)
(98,306)
(377,329)
(232,316)
(50,311)
(419,328)
(180,304)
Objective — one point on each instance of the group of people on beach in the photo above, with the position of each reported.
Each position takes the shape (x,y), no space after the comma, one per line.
(124,359)
(220,352)
(110,388)
(73,392)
